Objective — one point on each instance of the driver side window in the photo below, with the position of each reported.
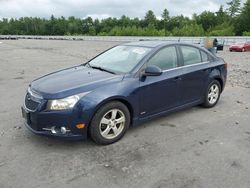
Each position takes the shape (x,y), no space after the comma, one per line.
(165,58)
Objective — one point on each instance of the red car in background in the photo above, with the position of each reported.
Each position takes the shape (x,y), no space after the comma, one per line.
(240,47)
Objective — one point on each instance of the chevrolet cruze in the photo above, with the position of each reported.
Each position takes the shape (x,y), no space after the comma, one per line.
(121,87)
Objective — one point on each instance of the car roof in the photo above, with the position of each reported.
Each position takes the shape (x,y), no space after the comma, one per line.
(154,43)
(160,43)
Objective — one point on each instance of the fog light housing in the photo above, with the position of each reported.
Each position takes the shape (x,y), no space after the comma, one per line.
(57,130)
(64,130)
(53,130)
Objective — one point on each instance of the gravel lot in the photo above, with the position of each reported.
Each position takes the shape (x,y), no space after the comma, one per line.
(192,148)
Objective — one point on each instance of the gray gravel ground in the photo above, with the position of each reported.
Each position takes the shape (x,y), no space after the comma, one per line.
(192,148)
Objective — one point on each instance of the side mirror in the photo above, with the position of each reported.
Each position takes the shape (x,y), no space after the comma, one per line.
(152,70)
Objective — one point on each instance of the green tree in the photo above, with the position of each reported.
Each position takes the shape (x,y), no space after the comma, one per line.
(221,16)
(242,22)
(234,8)
(150,19)
(207,19)
(124,21)
(246,33)
(207,23)
(107,24)
(178,22)
(88,26)
(224,29)
(189,30)
(166,18)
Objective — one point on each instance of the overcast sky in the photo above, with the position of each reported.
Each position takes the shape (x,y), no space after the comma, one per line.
(104,8)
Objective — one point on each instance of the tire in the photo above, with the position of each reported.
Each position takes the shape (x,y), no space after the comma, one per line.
(212,95)
(110,123)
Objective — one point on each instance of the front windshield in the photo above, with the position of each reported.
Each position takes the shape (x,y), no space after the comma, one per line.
(120,59)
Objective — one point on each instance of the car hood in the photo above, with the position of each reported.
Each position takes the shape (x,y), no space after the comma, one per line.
(72,81)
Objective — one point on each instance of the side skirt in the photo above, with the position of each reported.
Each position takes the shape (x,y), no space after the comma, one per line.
(138,121)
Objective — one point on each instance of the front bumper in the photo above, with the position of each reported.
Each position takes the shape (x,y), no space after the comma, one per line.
(60,136)
(37,122)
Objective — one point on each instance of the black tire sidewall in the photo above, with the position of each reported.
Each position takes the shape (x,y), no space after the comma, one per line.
(206,103)
(94,127)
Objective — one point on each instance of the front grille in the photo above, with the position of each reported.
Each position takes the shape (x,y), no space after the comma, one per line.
(32,100)
(30,104)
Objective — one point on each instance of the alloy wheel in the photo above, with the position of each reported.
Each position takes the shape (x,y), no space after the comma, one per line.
(112,124)
(213,94)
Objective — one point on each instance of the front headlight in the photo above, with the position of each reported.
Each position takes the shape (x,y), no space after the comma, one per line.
(65,103)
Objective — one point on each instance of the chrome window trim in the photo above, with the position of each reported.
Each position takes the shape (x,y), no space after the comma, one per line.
(185,66)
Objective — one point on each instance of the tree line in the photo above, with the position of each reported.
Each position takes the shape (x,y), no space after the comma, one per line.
(227,21)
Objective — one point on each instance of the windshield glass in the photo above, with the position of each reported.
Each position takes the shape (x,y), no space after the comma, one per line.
(120,59)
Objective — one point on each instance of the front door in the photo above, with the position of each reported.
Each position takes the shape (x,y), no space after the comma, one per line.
(161,93)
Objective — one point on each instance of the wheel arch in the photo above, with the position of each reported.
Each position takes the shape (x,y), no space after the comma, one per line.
(220,81)
(216,75)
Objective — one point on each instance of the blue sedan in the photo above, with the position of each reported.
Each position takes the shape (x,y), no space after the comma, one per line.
(121,87)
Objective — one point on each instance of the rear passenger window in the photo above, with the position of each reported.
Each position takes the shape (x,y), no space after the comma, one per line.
(165,58)
(204,56)
(191,55)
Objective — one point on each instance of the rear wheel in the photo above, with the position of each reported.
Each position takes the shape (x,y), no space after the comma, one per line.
(213,94)
(110,123)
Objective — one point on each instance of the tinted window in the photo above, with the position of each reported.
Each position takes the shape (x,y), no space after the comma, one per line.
(165,58)
(204,56)
(191,55)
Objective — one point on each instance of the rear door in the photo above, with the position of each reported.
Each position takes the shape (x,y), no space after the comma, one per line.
(195,73)
(160,93)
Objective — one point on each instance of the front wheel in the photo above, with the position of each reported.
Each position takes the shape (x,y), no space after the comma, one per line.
(110,123)
(213,94)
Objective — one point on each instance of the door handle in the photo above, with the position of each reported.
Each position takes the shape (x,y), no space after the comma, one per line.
(205,70)
(177,78)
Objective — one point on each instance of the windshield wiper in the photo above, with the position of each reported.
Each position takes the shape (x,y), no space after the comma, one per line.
(101,69)
(87,64)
